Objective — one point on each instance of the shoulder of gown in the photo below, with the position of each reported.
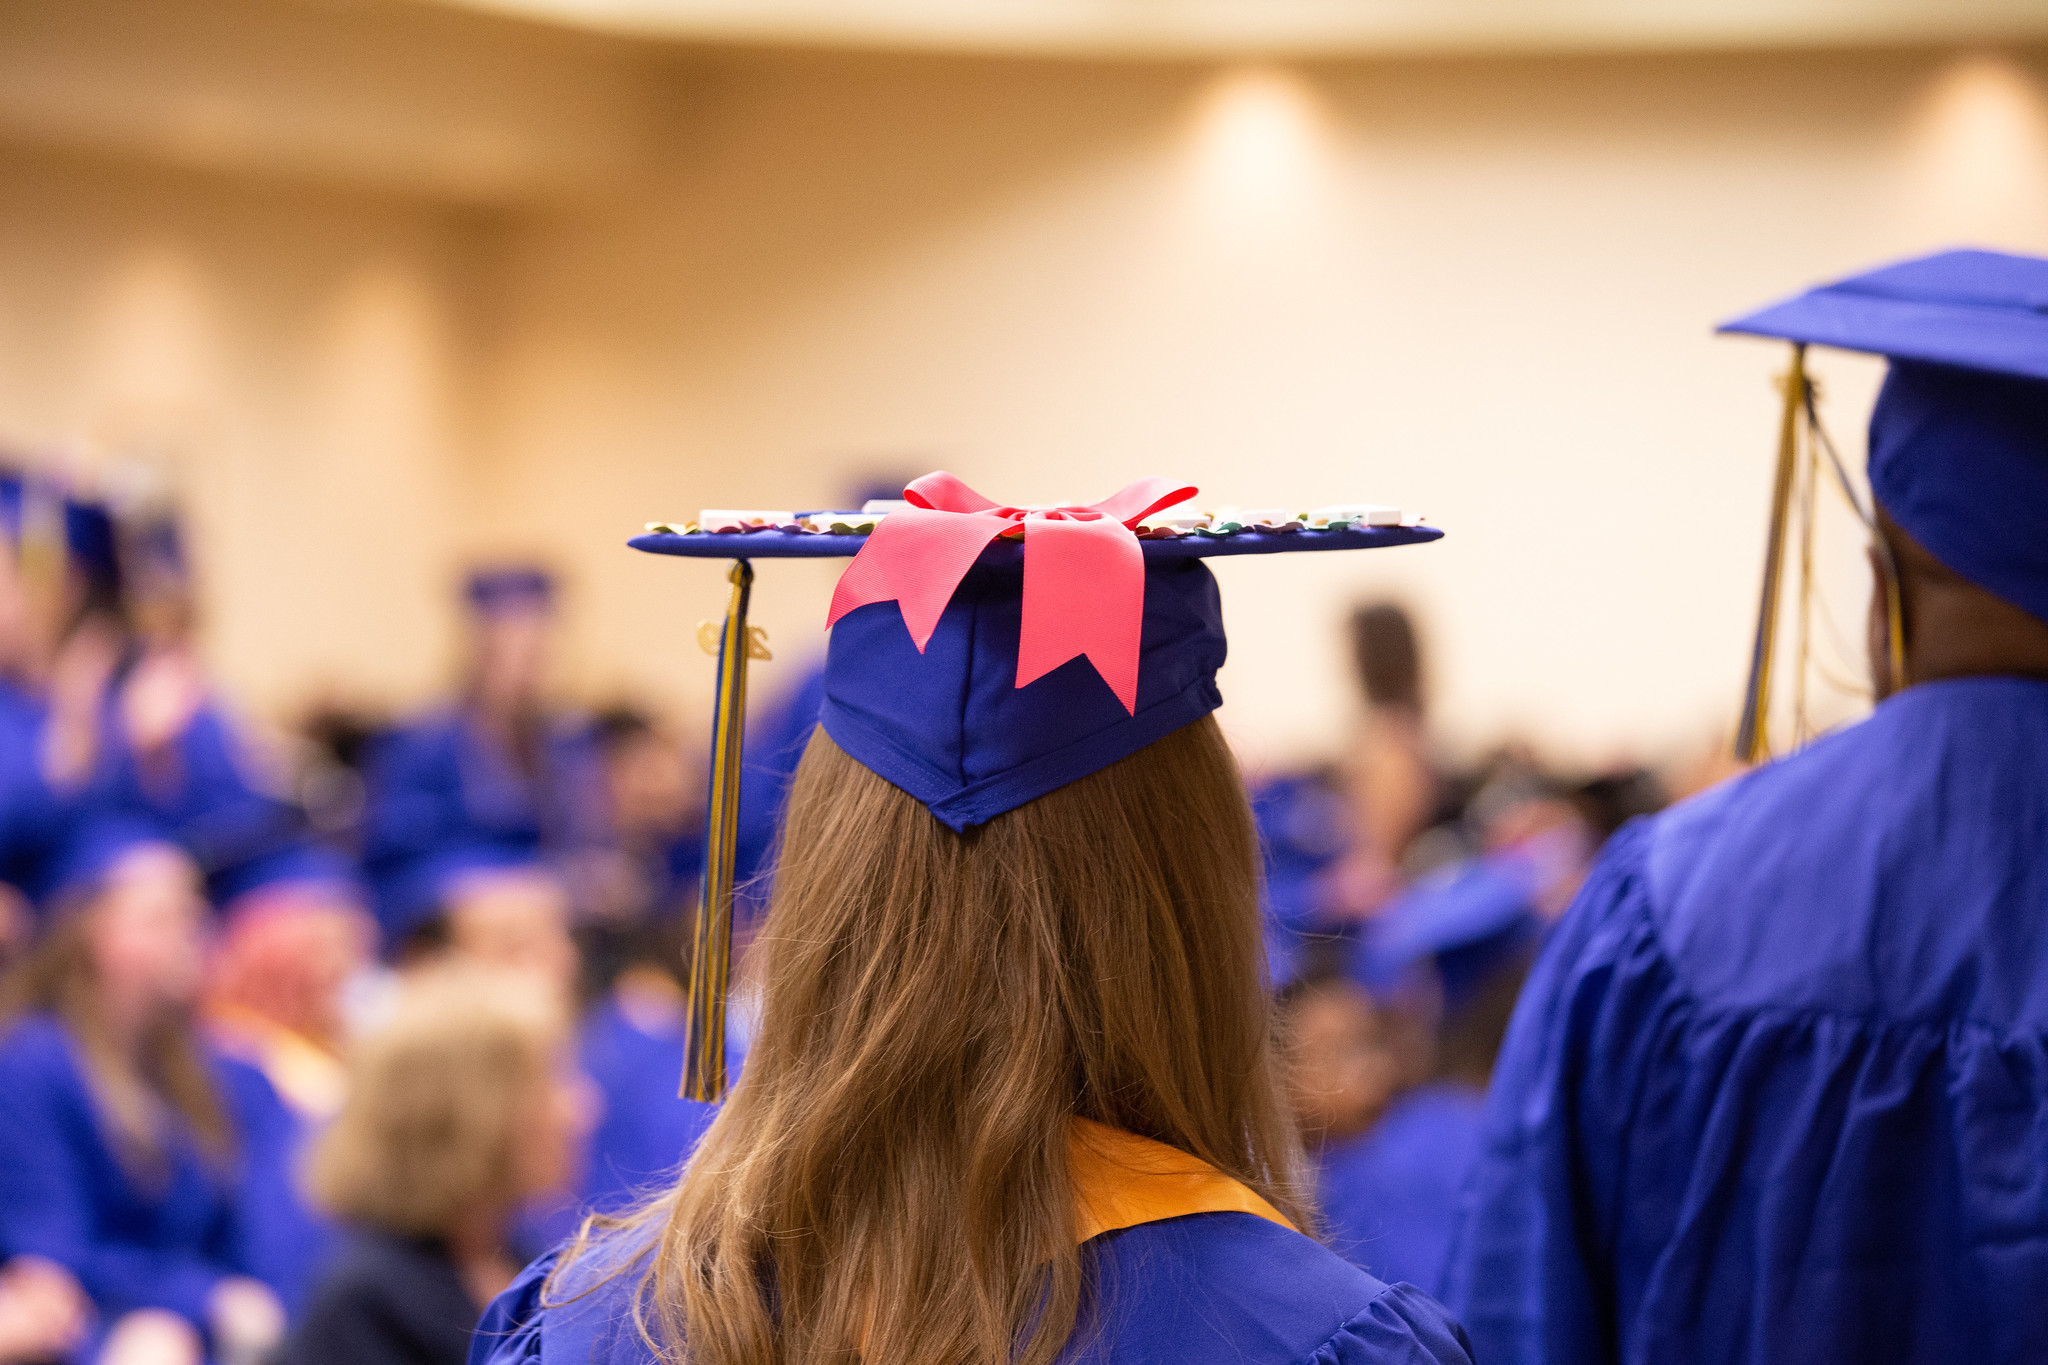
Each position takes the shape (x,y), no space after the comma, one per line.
(1213,1287)
(586,1315)
(1778,1084)
(1909,845)
(1232,1287)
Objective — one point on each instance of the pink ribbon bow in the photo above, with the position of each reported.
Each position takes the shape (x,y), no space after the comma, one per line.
(1084,573)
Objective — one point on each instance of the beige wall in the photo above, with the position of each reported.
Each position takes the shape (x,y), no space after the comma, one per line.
(1480,289)
(294,362)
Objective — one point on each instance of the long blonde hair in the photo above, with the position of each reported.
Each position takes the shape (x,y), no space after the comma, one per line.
(889,1178)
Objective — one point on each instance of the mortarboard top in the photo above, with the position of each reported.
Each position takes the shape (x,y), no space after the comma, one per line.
(1471,920)
(961,719)
(1973,310)
(983,655)
(1959,436)
(509,587)
(89,852)
(294,863)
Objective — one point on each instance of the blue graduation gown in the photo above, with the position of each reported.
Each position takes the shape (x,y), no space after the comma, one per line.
(647,1129)
(440,785)
(281,1239)
(774,746)
(31,816)
(1778,1087)
(239,834)
(65,1195)
(1390,1196)
(1303,831)
(1209,1287)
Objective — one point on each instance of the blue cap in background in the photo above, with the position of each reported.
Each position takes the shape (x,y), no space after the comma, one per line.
(1959,437)
(1470,921)
(509,587)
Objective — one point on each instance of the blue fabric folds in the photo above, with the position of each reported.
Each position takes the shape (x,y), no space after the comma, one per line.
(951,727)
(1226,1288)
(647,1130)
(1778,1087)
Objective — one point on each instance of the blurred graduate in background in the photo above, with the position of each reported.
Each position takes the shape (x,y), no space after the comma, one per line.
(1776,1089)
(129,1139)
(499,778)
(464,1104)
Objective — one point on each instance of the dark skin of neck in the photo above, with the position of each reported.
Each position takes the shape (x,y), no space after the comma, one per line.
(1953,628)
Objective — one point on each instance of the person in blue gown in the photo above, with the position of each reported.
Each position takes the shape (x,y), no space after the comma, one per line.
(1451,949)
(632,1046)
(1011,1094)
(1778,1087)
(35,810)
(499,775)
(123,1132)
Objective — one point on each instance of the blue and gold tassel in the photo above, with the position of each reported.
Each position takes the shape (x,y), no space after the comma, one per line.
(711,956)
(1752,736)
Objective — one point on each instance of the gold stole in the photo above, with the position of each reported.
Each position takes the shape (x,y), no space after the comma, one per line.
(1122,1180)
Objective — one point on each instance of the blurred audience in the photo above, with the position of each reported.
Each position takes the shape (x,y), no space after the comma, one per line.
(464,1103)
(120,1127)
(440,967)
(1409,899)
(501,775)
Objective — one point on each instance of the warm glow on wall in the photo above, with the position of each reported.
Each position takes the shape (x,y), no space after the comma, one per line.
(1979,155)
(1259,146)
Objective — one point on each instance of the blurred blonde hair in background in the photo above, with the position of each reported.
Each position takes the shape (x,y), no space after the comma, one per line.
(440,1093)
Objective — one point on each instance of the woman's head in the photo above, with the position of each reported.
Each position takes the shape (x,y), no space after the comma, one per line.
(125,947)
(937,1006)
(1341,1071)
(120,966)
(287,954)
(462,1103)
(145,923)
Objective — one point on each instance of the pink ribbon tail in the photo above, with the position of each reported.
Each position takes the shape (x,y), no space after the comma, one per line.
(916,557)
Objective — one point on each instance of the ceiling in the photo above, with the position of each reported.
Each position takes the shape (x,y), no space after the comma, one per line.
(1209,28)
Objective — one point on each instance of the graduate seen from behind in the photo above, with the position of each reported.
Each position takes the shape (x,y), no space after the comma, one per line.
(1010,1098)
(1777,1089)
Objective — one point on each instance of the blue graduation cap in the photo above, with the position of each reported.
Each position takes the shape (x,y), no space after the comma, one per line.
(983,655)
(1470,920)
(34,507)
(493,589)
(411,897)
(89,851)
(1959,437)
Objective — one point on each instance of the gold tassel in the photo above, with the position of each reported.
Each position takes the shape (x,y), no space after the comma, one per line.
(711,957)
(1752,736)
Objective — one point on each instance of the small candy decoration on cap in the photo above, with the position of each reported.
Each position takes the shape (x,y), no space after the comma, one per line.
(983,654)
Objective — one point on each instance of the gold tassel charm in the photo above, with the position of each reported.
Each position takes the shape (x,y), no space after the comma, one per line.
(711,955)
